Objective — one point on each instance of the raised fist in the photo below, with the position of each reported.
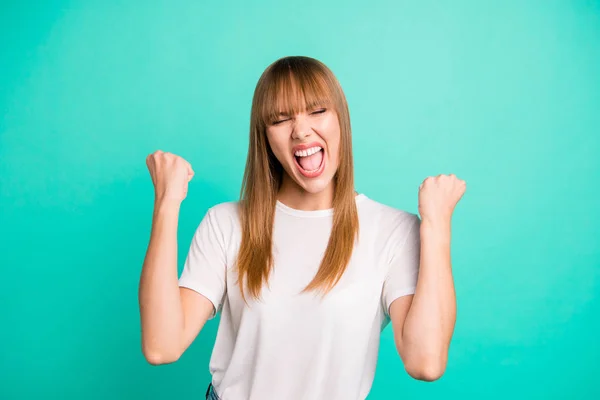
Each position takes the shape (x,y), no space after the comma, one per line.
(439,195)
(170,175)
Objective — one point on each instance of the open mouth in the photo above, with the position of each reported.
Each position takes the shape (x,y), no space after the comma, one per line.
(310,162)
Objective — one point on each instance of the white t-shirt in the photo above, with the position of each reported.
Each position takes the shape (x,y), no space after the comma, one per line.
(291,346)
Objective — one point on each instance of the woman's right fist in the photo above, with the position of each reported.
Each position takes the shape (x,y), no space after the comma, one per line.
(170,175)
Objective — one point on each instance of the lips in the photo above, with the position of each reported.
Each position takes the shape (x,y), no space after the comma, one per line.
(309,159)
(306,146)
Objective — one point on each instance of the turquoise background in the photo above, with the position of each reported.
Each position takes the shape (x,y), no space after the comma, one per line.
(504,94)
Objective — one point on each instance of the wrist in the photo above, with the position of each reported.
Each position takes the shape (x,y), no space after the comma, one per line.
(437,226)
(166,205)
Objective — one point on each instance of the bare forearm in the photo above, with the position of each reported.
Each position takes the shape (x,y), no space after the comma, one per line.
(161,311)
(430,320)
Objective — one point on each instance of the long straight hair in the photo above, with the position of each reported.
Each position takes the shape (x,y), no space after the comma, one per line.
(292,85)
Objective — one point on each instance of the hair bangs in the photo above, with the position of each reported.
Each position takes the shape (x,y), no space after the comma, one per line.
(295,90)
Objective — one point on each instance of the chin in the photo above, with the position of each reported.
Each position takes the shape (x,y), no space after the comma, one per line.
(315,187)
(316,184)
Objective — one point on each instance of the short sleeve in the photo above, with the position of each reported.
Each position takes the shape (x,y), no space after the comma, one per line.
(403,269)
(205,266)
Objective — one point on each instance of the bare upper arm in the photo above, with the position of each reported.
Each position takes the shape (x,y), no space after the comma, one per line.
(398,312)
(196,311)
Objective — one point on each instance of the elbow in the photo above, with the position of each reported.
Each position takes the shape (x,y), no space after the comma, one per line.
(158,357)
(426,371)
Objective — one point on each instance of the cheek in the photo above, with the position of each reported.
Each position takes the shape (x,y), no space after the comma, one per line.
(277,145)
(332,134)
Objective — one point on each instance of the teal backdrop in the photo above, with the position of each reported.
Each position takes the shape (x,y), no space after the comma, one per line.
(504,94)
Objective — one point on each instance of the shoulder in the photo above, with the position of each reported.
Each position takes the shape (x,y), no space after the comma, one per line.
(221,223)
(224,211)
(221,217)
(386,218)
(224,216)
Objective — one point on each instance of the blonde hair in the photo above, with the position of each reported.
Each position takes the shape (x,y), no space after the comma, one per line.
(292,85)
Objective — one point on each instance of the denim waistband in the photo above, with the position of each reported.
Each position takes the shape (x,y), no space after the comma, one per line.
(210,393)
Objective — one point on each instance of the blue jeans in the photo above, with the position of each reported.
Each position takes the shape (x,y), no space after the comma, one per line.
(210,393)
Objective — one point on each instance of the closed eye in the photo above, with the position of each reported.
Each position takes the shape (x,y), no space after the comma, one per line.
(316,112)
(279,121)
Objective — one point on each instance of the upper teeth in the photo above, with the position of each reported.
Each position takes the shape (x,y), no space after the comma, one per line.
(307,152)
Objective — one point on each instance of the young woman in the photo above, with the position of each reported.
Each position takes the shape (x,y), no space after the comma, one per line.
(305,271)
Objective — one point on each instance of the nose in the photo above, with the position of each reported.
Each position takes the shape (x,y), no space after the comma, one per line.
(302,128)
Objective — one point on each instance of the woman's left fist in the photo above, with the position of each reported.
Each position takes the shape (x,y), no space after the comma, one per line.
(439,195)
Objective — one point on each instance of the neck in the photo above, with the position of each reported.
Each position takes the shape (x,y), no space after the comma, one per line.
(294,196)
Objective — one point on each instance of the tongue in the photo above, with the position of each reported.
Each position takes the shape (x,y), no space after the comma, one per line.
(312,162)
